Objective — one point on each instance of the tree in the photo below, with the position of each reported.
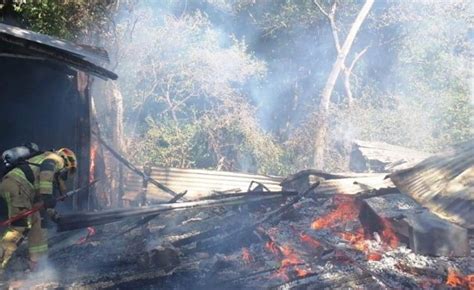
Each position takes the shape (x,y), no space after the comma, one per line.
(187,104)
(320,138)
(335,33)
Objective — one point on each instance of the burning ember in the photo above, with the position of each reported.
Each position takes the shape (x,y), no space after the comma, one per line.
(455,279)
(289,260)
(92,163)
(309,240)
(301,272)
(272,247)
(374,256)
(388,234)
(470,281)
(247,258)
(357,239)
(346,210)
(290,257)
(90,232)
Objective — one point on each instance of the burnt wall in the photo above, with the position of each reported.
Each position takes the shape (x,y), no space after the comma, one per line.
(40,103)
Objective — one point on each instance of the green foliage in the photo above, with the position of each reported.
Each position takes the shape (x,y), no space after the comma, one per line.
(50,17)
(434,72)
(457,120)
(185,79)
(70,20)
(162,146)
(230,144)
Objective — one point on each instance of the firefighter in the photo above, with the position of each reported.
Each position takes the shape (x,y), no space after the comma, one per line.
(25,186)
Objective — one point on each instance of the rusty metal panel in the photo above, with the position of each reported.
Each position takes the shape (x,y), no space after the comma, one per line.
(443,183)
(197,182)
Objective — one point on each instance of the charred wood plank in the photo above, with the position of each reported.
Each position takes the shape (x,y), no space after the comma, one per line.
(315,282)
(269,217)
(81,220)
(145,220)
(241,279)
(365,271)
(424,232)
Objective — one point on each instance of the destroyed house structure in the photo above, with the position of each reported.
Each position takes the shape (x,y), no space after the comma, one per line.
(401,220)
(45,94)
(407,229)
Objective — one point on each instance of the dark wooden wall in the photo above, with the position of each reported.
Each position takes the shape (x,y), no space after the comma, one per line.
(40,103)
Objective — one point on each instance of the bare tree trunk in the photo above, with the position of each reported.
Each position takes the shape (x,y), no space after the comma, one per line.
(331,15)
(117,138)
(323,111)
(109,113)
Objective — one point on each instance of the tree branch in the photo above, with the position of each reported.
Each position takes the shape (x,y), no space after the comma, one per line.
(331,17)
(357,57)
(321,8)
(347,75)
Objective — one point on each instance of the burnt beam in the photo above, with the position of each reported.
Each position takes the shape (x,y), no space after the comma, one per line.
(81,220)
(424,232)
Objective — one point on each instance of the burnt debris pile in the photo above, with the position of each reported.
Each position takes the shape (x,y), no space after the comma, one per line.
(319,230)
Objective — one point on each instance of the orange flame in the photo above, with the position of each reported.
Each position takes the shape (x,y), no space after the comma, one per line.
(291,258)
(374,256)
(470,281)
(309,240)
(272,247)
(355,239)
(455,279)
(92,163)
(346,210)
(247,258)
(301,272)
(388,234)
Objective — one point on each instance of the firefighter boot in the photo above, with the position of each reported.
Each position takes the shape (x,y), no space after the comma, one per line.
(10,241)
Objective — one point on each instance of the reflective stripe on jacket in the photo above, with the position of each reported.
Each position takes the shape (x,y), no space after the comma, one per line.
(44,168)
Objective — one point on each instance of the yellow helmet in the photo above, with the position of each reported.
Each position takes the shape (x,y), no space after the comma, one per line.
(70,160)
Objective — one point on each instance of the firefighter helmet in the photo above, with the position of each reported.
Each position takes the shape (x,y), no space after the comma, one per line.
(70,160)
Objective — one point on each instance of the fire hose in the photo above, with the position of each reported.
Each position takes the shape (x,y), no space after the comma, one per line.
(40,205)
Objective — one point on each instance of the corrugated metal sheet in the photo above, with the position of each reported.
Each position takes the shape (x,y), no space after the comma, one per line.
(443,183)
(339,183)
(353,186)
(197,182)
(383,157)
(34,44)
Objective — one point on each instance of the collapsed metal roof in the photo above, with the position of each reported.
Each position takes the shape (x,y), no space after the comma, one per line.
(197,182)
(443,183)
(18,42)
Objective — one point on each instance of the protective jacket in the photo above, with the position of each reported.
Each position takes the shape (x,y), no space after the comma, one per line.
(21,188)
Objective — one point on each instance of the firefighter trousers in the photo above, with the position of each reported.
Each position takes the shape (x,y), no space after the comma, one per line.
(17,195)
